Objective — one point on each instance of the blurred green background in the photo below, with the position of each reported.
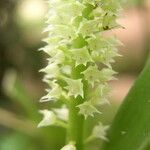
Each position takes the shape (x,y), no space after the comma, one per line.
(21,24)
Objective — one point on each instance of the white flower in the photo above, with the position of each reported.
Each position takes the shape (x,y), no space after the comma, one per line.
(81,56)
(69,147)
(66,69)
(75,87)
(53,94)
(99,131)
(88,27)
(58,58)
(100,94)
(62,113)
(49,118)
(92,74)
(52,71)
(87,109)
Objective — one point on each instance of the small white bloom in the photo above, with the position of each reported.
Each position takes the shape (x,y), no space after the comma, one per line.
(52,71)
(99,131)
(100,94)
(69,147)
(58,58)
(62,113)
(49,118)
(88,27)
(81,56)
(66,69)
(54,93)
(87,109)
(92,74)
(75,87)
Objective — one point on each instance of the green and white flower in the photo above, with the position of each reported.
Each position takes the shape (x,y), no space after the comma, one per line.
(62,113)
(99,131)
(48,119)
(80,61)
(74,87)
(87,109)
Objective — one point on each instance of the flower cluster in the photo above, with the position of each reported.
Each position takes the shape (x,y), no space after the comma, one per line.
(80,55)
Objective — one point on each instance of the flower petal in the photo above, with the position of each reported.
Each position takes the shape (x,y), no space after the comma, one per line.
(49,118)
(75,87)
(87,109)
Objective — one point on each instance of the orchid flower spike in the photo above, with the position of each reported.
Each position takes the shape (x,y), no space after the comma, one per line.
(80,59)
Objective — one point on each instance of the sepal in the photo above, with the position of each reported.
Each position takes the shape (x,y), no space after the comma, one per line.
(87,109)
(52,71)
(62,113)
(92,74)
(88,27)
(54,93)
(49,118)
(74,87)
(100,95)
(99,131)
(81,56)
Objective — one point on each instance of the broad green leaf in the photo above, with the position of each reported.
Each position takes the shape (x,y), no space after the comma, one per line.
(131,127)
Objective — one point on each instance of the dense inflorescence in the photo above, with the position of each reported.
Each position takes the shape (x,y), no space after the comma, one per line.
(79,58)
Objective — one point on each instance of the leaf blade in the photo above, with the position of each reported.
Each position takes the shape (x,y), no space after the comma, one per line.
(131,126)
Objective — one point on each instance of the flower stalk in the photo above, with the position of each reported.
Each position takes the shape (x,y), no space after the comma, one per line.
(79,64)
(76,125)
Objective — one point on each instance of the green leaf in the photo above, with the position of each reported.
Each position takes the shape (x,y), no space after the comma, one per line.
(131,127)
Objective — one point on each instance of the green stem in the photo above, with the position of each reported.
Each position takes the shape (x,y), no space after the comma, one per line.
(61,124)
(76,124)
